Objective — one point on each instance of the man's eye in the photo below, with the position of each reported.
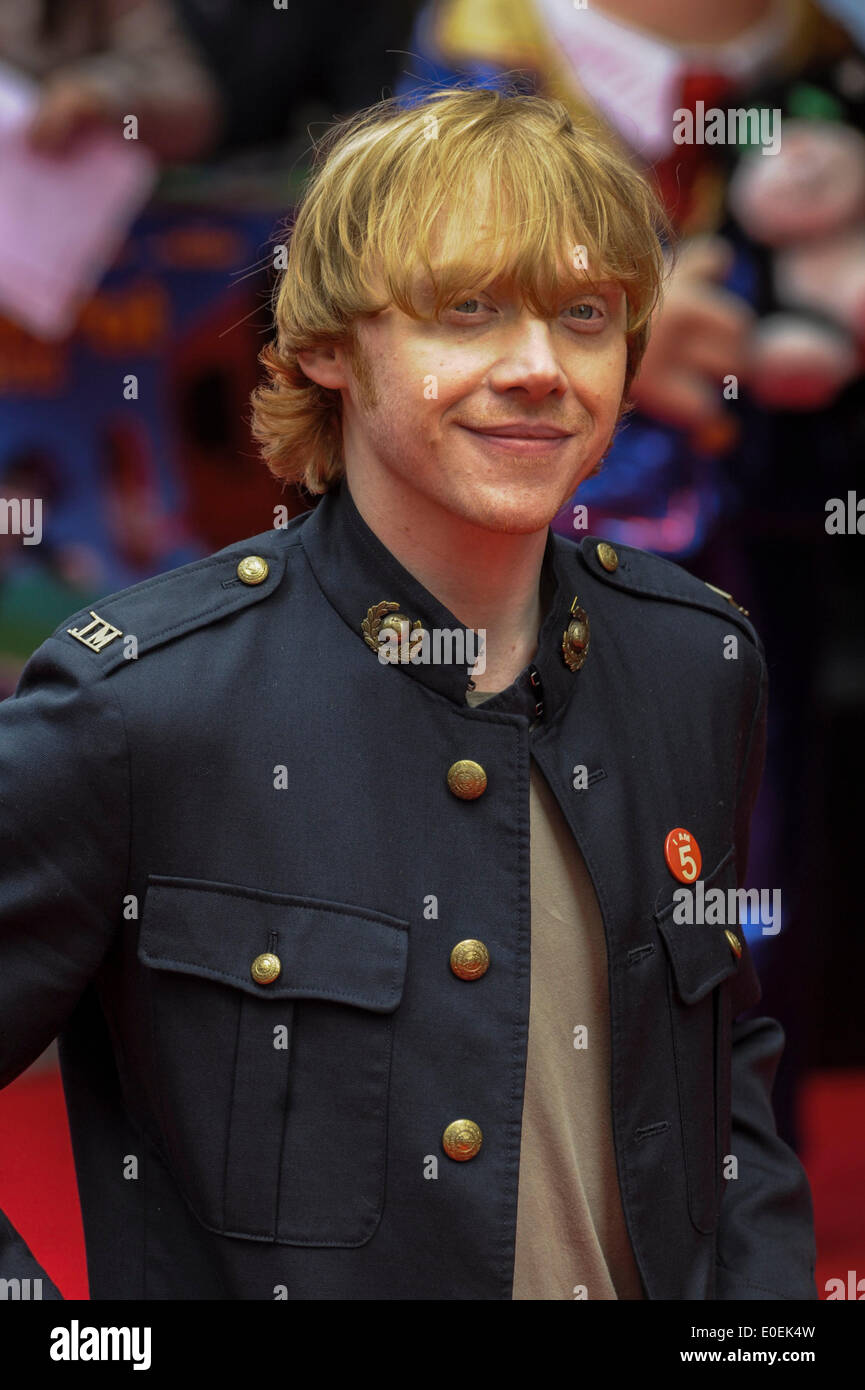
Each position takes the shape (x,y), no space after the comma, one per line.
(584,317)
(467,301)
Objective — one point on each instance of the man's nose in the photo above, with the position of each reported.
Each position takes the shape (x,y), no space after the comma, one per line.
(529,360)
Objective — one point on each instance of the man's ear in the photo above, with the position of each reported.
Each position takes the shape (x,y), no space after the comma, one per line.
(324,365)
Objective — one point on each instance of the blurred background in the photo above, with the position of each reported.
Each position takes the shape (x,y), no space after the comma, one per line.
(135,279)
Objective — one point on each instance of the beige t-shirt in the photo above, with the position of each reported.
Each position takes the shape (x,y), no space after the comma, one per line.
(571,1236)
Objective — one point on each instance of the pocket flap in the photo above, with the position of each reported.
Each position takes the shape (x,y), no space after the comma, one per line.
(326,950)
(700,954)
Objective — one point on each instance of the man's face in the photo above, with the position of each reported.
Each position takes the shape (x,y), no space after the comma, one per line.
(425,398)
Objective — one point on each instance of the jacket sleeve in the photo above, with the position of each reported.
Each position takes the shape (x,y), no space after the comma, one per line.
(766,1244)
(64,843)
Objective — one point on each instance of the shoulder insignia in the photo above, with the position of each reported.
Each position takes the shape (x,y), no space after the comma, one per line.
(728,597)
(643,573)
(165,607)
(97,634)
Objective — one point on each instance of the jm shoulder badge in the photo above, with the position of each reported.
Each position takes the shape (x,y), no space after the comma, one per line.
(575,640)
(97,634)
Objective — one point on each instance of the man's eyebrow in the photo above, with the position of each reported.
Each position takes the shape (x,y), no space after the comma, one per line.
(608,287)
(568,286)
(420,281)
(422,289)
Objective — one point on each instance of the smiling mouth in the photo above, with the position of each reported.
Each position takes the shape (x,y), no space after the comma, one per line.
(529,440)
(520,431)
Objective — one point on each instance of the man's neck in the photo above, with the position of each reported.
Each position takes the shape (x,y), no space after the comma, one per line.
(489,580)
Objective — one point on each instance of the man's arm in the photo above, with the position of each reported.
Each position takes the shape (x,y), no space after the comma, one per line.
(766,1245)
(64,843)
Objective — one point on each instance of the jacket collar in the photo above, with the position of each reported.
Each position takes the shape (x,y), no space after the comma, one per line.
(356,572)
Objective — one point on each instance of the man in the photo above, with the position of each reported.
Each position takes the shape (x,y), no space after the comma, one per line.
(368,948)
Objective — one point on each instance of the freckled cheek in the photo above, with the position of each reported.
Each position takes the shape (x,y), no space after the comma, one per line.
(418,402)
(454,379)
(401,399)
(439,396)
(601,383)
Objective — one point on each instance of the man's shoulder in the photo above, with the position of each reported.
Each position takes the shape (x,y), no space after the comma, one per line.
(640,575)
(130,622)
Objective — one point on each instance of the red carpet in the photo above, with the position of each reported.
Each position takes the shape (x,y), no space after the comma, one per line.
(833,1124)
(38,1192)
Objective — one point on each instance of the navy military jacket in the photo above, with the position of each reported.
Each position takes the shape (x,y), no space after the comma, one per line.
(213,770)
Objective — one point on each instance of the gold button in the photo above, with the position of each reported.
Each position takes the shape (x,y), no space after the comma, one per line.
(265,969)
(607,555)
(253,570)
(467,779)
(735,943)
(462,1140)
(470,959)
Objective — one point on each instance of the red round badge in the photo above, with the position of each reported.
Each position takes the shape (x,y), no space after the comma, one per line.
(683,856)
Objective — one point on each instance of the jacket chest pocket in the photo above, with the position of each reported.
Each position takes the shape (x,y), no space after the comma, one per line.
(702,959)
(273,1095)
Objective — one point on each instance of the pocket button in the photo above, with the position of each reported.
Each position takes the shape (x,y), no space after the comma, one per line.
(266,968)
(735,943)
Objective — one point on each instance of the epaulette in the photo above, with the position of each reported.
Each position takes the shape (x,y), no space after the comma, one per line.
(159,610)
(651,576)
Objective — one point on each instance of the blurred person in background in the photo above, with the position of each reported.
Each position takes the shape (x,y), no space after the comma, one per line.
(100,60)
